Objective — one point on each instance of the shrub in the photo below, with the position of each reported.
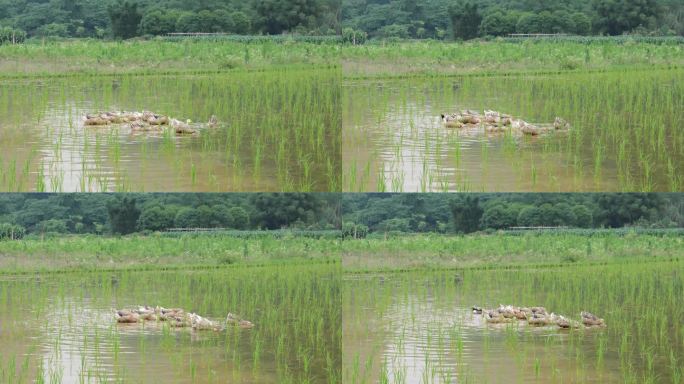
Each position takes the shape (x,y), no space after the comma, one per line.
(11,231)
(354,37)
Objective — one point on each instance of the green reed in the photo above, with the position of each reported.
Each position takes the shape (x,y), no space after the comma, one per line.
(73,315)
(624,134)
(279,130)
(405,317)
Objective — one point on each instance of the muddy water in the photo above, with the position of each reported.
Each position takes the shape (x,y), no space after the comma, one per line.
(394,139)
(258,146)
(419,328)
(62,330)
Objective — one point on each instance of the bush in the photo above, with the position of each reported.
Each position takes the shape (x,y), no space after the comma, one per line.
(356,231)
(354,37)
(11,35)
(11,231)
(52,226)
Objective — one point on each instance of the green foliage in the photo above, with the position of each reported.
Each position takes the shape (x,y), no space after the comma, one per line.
(500,216)
(498,23)
(158,22)
(615,17)
(188,217)
(465,20)
(432,18)
(156,218)
(123,215)
(466,212)
(10,231)
(10,35)
(125,19)
(52,226)
(353,230)
(353,36)
(278,16)
(473,212)
(240,217)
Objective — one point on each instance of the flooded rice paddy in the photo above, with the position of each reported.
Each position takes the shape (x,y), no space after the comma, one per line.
(61,329)
(276,131)
(418,327)
(625,133)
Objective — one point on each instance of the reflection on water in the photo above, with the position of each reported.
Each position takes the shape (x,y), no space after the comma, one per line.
(62,329)
(271,137)
(419,328)
(395,140)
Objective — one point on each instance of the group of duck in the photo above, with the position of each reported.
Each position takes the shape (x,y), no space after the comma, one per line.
(537,316)
(177,318)
(146,121)
(493,122)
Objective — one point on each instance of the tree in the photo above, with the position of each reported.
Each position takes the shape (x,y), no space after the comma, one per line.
(466,213)
(278,210)
(465,20)
(188,217)
(621,209)
(124,18)
(278,16)
(498,23)
(52,226)
(530,216)
(156,218)
(615,17)
(53,30)
(158,22)
(582,23)
(395,225)
(500,216)
(583,217)
(241,23)
(123,215)
(240,217)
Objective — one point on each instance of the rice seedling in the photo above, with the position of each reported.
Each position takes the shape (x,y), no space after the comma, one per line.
(417,325)
(624,133)
(64,329)
(278,130)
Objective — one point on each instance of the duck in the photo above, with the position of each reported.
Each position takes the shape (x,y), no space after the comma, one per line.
(199,323)
(477,310)
(158,120)
(182,128)
(213,122)
(560,124)
(236,320)
(591,320)
(494,317)
(538,319)
(126,317)
(538,310)
(95,121)
(147,313)
(451,121)
(507,311)
(566,323)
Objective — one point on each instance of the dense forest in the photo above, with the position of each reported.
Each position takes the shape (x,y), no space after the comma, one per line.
(465,213)
(437,19)
(130,18)
(132,212)
(467,19)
